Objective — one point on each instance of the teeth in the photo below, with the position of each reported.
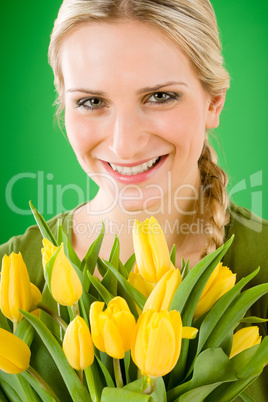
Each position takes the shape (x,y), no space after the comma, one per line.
(130,171)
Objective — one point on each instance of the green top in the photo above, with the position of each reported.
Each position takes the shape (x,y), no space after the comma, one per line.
(248,251)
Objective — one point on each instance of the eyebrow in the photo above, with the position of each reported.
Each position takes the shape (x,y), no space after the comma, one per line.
(140,91)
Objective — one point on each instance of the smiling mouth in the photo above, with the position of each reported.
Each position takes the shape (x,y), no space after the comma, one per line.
(134,170)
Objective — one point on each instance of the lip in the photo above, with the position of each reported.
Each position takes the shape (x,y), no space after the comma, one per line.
(137,178)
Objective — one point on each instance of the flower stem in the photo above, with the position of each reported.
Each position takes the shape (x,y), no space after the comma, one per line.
(117,373)
(80,375)
(148,384)
(15,324)
(56,317)
(42,382)
(75,309)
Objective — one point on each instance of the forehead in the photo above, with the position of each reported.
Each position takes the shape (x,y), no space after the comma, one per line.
(126,51)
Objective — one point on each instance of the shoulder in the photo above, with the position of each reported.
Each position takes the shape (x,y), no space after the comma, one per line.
(30,244)
(250,242)
(249,250)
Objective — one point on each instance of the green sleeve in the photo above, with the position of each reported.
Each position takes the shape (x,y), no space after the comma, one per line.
(249,251)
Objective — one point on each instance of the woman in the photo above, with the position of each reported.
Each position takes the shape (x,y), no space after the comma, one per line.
(140,84)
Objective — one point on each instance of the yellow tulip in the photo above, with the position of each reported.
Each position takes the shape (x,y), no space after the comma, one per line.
(47,251)
(112,329)
(77,344)
(36,296)
(14,353)
(65,284)
(141,284)
(156,343)
(151,250)
(244,339)
(15,288)
(162,295)
(221,280)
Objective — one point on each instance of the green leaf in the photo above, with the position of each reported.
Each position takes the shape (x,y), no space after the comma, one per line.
(123,270)
(109,281)
(9,392)
(25,332)
(183,293)
(131,304)
(130,263)
(4,322)
(42,362)
(246,398)
(44,395)
(102,268)
(234,313)
(123,395)
(185,268)
(106,296)
(127,364)
(89,262)
(94,381)
(43,227)
(107,376)
(68,248)
(159,393)
(212,366)
(248,365)
(20,386)
(219,308)
(253,320)
(76,389)
(173,255)
(2,396)
(137,296)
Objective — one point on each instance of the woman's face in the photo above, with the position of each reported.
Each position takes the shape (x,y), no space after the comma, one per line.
(135,113)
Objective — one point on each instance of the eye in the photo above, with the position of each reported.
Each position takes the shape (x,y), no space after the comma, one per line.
(90,103)
(162,97)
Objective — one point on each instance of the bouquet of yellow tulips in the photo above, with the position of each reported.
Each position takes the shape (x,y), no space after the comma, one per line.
(155,333)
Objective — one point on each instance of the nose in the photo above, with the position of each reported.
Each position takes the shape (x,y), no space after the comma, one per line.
(129,138)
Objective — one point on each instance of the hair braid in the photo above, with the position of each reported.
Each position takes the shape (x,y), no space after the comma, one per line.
(215,200)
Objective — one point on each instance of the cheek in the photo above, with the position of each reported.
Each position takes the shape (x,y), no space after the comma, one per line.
(80,132)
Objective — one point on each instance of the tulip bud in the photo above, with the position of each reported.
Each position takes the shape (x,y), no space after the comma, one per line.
(137,280)
(244,339)
(36,296)
(221,280)
(151,250)
(47,251)
(77,344)
(15,288)
(14,353)
(112,329)
(62,279)
(162,295)
(156,343)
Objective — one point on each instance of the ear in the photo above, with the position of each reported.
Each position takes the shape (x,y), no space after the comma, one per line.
(214,110)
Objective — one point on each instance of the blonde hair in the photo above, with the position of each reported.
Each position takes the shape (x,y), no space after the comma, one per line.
(192,25)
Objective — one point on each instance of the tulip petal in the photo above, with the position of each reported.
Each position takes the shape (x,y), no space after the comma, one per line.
(140,340)
(95,311)
(143,250)
(159,248)
(65,284)
(125,323)
(244,339)
(222,282)
(189,332)
(14,353)
(161,347)
(112,340)
(77,344)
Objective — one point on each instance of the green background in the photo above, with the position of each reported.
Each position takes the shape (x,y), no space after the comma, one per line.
(31,142)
